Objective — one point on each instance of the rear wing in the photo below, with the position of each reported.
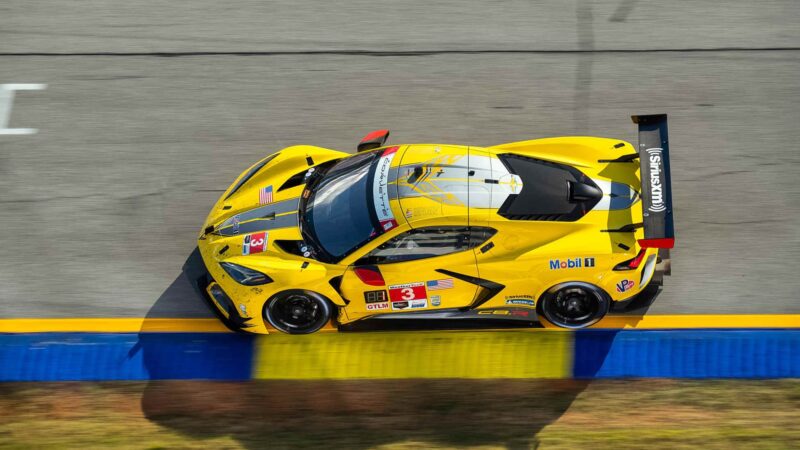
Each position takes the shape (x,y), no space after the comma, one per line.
(656,181)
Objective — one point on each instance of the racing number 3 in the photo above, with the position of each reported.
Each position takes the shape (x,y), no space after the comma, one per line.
(406,292)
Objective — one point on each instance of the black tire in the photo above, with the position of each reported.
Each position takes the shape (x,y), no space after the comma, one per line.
(298,312)
(574,305)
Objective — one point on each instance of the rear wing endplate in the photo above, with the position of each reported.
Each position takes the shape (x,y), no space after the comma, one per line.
(653,150)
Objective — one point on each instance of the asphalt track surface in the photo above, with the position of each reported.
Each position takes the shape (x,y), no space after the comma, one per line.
(152,108)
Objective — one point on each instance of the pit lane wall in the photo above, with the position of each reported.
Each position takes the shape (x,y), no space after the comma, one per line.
(156,349)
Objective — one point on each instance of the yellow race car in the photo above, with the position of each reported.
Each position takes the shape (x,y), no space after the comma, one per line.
(555,229)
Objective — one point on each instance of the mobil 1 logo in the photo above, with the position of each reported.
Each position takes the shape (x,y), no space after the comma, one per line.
(572,263)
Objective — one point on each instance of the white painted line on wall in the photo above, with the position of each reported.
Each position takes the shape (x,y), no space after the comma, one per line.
(7,99)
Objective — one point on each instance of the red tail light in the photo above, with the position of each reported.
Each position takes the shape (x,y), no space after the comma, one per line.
(634,263)
(657,243)
(370,275)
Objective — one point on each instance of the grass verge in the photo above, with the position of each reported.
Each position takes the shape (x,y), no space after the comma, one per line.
(359,414)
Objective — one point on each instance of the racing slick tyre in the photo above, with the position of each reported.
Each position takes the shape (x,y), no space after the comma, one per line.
(574,305)
(298,312)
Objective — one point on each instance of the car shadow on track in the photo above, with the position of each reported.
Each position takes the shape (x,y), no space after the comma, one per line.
(343,413)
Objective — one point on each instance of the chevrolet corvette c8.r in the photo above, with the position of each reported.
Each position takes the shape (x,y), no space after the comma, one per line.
(557,229)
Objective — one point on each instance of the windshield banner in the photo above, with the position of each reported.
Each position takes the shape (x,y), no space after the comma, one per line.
(380,190)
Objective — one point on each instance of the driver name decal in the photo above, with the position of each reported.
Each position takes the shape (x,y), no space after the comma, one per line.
(380,190)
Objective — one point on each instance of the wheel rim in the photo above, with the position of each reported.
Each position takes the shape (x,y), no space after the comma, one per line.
(573,307)
(297,313)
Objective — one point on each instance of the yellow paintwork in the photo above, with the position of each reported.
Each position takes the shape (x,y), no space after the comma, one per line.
(520,258)
(467,354)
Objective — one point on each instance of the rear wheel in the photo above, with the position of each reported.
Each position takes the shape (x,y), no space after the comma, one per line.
(574,305)
(298,312)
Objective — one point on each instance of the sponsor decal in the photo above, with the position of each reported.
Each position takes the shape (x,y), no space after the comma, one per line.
(380,190)
(422,211)
(529,297)
(407,292)
(436,300)
(625,285)
(507,312)
(255,243)
(377,306)
(265,195)
(571,263)
(418,303)
(494,312)
(435,285)
(235,224)
(520,301)
(399,305)
(657,204)
(375,296)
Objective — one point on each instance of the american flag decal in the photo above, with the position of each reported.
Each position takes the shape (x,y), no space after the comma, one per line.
(434,285)
(265,195)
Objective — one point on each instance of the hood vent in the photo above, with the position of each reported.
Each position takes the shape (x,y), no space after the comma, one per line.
(253,170)
(295,180)
(550,191)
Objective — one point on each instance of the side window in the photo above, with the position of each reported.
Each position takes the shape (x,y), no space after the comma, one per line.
(427,243)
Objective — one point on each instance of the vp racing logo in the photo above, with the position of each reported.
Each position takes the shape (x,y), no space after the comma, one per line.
(655,158)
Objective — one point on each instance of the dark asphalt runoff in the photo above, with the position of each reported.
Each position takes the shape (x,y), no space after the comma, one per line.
(152,108)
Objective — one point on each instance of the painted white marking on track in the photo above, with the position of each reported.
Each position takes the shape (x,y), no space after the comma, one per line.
(7,99)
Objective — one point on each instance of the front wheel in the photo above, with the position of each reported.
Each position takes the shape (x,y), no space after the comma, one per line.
(298,312)
(574,305)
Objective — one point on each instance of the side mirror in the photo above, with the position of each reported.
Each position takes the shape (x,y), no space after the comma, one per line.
(373,140)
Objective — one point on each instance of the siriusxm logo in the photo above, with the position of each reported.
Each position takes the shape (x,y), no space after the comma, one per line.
(572,263)
(656,184)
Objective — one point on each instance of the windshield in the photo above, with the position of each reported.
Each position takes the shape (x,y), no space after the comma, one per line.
(340,214)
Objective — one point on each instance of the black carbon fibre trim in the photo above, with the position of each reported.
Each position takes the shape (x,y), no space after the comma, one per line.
(622,159)
(629,228)
(295,180)
(548,191)
(250,174)
(490,288)
(655,175)
(196,272)
(336,284)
